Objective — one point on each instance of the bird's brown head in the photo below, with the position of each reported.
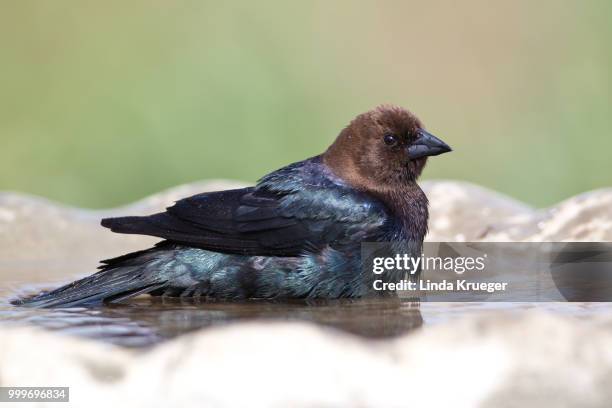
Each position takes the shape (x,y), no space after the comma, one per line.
(383,149)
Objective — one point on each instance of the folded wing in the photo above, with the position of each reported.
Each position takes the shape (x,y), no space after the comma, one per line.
(259,221)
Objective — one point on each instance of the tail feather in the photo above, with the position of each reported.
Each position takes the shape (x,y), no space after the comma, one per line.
(119,278)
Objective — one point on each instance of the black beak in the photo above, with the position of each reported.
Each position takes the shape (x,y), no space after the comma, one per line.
(426,144)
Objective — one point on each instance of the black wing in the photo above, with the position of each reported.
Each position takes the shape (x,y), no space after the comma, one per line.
(258,221)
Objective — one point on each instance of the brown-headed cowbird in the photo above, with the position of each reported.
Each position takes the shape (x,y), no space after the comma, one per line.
(296,234)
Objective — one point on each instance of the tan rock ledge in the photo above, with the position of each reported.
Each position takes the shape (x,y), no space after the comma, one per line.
(32,227)
(501,360)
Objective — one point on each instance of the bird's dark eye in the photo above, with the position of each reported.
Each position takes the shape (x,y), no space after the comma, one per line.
(390,140)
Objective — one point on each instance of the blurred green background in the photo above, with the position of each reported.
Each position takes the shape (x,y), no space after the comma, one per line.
(102,103)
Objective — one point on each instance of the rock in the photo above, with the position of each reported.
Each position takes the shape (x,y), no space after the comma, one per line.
(34,229)
(501,360)
(586,217)
(497,359)
(461,211)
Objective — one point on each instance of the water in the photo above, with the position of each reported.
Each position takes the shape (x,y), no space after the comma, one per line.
(147,321)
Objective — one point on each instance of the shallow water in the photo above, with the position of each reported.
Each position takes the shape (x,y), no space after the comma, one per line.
(147,321)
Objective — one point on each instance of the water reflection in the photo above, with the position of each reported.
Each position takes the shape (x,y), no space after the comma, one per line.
(149,320)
